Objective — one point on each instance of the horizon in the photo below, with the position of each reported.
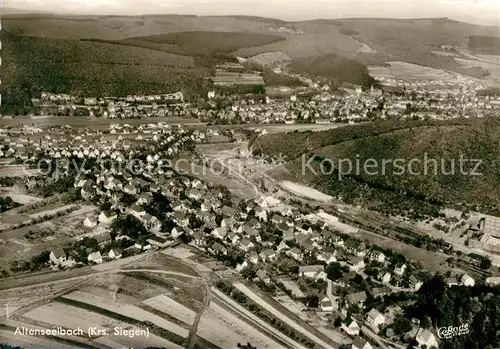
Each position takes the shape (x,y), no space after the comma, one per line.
(486,12)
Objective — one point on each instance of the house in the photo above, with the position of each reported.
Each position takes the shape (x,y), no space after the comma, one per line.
(312,271)
(106,218)
(262,275)
(326,304)
(95,257)
(295,254)
(219,233)
(400,269)
(90,222)
(227,223)
(242,266)
(233,238)
(136,211)
(415,283)
(375,319)
(197,239)
(466,280)
(427,338)
(452,281)
(268,255)
(350,326)
(217,248)
(360,343)
(246,244)
(377,256)
(356,298)
(158,242)
(355,263)
(177,232)
(115,253)
(261,214)
(253,257)
(386,278)
(58,256)
(380,291)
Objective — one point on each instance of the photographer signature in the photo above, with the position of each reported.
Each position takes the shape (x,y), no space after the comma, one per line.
(450,331)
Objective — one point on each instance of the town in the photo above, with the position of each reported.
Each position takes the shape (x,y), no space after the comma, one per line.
(116,193)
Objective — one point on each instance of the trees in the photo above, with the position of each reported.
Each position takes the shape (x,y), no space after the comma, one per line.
(485,263)
(334,271)
(130,226)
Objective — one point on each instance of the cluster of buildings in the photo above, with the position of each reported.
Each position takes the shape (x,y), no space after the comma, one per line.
(26,143)
(133,106)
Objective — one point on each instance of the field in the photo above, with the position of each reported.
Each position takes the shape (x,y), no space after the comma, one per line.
(165,304)
(408,71)
(211,322)
(302,190)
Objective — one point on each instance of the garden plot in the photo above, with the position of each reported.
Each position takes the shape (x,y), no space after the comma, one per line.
(128,310)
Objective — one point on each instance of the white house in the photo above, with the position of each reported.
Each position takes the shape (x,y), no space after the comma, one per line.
(350,326)
(95,257)
(400,269)
(386,278)
(58,256)
(310,271)
(106,218)
(466,280)
(375,319)
(326,304)
(426,337)
(90,222)
(115,253)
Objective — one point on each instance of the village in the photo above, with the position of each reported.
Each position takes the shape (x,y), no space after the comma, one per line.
(428,97)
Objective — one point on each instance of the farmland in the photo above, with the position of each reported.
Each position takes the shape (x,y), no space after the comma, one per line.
(408,71)
(165,304)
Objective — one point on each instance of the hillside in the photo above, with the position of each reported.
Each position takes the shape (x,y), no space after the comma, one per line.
(485,44)
(403,187)
(334,67)
(211,42)
(31,65)
(99,55)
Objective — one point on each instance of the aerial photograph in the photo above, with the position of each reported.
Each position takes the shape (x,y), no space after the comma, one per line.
(250,174)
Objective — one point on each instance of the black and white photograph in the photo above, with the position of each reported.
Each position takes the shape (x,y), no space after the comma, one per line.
(250,174)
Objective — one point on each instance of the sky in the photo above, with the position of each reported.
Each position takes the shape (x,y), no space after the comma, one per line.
(485,12)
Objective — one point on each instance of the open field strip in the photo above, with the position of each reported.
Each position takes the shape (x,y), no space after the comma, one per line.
(213,320)
(67,316)
(254,297)
(172,308)
(127,310)
(216,315)
(256,321)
